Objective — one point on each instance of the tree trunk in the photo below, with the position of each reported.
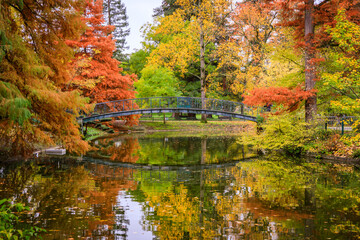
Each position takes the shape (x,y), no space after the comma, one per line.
(202,70)
(108,10)
(310,103)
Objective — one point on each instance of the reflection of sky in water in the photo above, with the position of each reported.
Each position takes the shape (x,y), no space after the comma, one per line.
(134,213)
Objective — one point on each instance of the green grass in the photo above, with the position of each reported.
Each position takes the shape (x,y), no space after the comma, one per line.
(180,128)
(93,133)
(192,125)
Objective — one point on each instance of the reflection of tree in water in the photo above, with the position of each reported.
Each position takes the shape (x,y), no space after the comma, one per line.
(69,200)
(265,199)
(306,193)
(170,151)
(260,200)
(188,151)
(118,150)
(110,183)
(56,195)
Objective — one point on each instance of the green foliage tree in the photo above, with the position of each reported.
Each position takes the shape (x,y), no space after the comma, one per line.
(138,61)
(157,81)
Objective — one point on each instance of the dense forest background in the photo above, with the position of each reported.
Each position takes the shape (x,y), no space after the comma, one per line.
(58,58)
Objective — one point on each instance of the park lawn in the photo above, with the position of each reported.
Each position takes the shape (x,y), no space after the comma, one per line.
(184,125)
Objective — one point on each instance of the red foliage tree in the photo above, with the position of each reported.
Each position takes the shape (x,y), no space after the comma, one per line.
(288,98)
(306,16)
(97,74)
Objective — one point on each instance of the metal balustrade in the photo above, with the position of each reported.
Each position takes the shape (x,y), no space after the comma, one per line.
(135,106)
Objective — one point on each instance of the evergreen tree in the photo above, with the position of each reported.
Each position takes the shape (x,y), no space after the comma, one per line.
(115,15)
(167,8)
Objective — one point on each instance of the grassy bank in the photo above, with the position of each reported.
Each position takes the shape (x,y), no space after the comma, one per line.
(180,128)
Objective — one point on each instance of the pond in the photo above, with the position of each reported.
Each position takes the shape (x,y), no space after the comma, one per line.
(185,188)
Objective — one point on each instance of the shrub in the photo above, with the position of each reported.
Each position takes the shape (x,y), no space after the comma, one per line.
(333,143)
(286,132)
(10,227)
(323,134)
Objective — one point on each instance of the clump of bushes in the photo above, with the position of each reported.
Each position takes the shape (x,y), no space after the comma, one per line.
(286,132)
(10,222)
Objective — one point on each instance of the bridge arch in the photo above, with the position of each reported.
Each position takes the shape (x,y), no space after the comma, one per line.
(136,106)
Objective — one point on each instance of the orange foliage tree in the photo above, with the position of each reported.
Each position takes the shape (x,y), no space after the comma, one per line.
(33,109)
(252,28)
(95,72)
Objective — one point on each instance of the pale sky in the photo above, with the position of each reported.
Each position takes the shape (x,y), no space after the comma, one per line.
(139,13)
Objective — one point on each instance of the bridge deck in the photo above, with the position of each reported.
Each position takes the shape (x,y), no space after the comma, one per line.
(128,107)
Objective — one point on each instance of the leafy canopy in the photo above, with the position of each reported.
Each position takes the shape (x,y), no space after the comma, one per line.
(343,79)
(157,81)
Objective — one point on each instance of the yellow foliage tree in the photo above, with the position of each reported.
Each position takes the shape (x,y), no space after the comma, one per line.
(186,35)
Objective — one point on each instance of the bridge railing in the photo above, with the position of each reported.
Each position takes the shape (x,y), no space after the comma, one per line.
(173,103)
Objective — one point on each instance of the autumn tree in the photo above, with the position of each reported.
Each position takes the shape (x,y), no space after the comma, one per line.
(190,32)
(115,15)
(343,78)
(243,55)
(310,20)
(100,79)
(32,70)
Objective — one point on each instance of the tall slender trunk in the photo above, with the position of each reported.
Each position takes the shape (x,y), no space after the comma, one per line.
(108,10)
(310,75)
(202,70)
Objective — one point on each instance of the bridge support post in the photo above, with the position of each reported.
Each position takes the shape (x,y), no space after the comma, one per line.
(81,123)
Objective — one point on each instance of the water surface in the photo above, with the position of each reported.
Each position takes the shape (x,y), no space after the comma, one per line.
(185,188)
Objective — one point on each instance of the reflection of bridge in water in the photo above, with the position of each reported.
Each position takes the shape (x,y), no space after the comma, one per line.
(117,170)
(124,155)
(187,105)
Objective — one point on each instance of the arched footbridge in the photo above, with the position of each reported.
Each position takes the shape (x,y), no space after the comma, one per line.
(151,105)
